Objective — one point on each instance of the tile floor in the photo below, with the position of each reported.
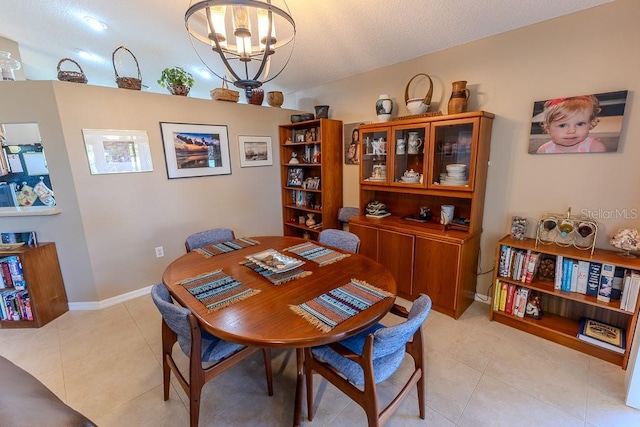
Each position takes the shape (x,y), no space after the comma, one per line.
(106,364)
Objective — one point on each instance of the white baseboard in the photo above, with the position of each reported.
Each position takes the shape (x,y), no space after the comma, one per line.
(98,305)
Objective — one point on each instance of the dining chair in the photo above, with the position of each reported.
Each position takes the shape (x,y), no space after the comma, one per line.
(357,364)
(346,212)
(340,239)
(179,324)
(208,237)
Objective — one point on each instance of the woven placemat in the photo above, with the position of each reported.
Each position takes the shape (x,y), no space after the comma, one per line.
(224,247)
(316,253)
(334,307)
(216,290)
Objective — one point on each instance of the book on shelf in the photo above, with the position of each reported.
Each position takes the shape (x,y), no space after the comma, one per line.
(583,276)
(567,270)
(27,237)
(496,295)
(557,281)
(511,291)
(574,276)
(617,284)
(593,280)
(503,295)
(606,282)
(603,335)
(522,298)
(630,291)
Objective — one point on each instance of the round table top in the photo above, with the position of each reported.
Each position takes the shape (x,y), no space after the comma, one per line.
(266,319)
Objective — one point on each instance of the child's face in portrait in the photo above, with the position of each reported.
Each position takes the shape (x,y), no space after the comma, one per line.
(571,130)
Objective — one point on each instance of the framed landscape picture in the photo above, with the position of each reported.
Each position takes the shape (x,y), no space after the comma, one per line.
(255,151)
(195,150)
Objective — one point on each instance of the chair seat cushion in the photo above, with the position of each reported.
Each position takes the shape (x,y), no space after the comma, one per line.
(383,367)
(214,349)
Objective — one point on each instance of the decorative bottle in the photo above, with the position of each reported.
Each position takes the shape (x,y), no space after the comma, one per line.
(384,106)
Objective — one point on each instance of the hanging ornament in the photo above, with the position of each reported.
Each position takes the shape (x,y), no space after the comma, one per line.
(45,194)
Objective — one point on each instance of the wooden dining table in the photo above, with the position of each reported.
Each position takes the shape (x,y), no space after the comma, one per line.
(266,319)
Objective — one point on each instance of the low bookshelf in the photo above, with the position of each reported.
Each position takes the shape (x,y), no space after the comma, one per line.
(564,310)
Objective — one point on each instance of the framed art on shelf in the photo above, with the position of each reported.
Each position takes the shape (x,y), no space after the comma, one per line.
(296,177)
(195,150)
(255,151)
(117,151)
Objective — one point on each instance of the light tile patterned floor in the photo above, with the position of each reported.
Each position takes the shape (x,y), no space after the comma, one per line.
(106,364)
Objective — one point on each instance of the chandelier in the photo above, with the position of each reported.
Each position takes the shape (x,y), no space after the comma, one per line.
(243,35)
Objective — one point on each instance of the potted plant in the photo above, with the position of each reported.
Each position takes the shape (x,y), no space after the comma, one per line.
(176,80)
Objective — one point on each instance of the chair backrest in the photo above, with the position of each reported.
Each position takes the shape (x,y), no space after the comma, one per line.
(393,338)
(347,212)
(340,239)
(209,237)
(174,315)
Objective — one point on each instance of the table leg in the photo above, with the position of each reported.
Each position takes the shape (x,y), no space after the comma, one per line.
(297,410)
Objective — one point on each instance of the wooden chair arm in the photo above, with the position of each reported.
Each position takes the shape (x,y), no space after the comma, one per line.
(343,351)
(399,310)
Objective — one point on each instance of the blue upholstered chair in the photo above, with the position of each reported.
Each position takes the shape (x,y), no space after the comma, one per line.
(347,212)
(209,237)
(179,324)
(340,239)
(356,364)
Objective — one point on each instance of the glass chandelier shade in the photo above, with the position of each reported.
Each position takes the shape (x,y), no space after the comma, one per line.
(242,34)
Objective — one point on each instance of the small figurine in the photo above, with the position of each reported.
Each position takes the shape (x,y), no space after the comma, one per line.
(294,159)
(308,136)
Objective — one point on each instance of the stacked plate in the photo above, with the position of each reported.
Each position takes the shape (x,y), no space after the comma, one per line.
(456,175)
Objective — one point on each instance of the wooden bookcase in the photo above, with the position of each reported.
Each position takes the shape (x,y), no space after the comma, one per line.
(313,186)
(562,311)
(426,257)
(44,283)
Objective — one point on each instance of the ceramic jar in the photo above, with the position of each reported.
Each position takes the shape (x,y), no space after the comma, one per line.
(459,97)
(310,219)
(384,107)
(275,99)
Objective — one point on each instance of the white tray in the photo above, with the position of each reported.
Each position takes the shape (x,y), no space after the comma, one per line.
(279,263)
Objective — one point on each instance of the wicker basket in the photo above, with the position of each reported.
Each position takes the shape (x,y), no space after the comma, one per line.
(127,82)
(224,93)
(71,76)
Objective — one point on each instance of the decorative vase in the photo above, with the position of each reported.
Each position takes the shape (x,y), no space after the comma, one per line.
(384,107)
(459,97)
(322,111)
(310,219)
(181,90)
(257,96)
(275,99)
(8,65)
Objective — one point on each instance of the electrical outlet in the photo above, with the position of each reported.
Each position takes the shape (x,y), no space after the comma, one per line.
(159,252)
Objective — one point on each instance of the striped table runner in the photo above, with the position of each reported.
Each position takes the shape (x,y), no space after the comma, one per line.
(217,290)
(224,247)
(334,307)
(276,278)
(316,253)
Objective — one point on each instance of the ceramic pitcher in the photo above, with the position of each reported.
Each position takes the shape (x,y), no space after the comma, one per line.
(459,97)
(414,143)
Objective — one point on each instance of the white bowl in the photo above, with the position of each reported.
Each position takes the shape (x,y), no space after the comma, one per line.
(456,167)
(416,106)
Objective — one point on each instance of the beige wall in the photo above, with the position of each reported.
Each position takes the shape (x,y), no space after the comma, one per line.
(592,51)
(110,224)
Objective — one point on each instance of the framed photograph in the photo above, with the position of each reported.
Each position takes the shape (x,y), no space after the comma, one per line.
(117,151)
(296,177)
(577,124)
(195,150)
(255,151)
(352,144)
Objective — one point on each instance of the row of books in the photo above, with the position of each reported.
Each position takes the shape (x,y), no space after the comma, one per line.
(15,305)
(518,264)
(519,301)
(11,274)
(27,237)
(604,281)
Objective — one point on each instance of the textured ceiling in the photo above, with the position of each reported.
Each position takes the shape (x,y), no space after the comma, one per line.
(335,38)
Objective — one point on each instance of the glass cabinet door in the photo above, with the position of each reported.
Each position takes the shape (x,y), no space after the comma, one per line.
(453,155)
(373,167)
(408,151)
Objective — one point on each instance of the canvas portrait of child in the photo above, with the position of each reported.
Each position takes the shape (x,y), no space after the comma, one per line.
(577,124)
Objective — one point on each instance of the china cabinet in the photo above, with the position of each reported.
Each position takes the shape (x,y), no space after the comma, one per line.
(311,176)
(415,167)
